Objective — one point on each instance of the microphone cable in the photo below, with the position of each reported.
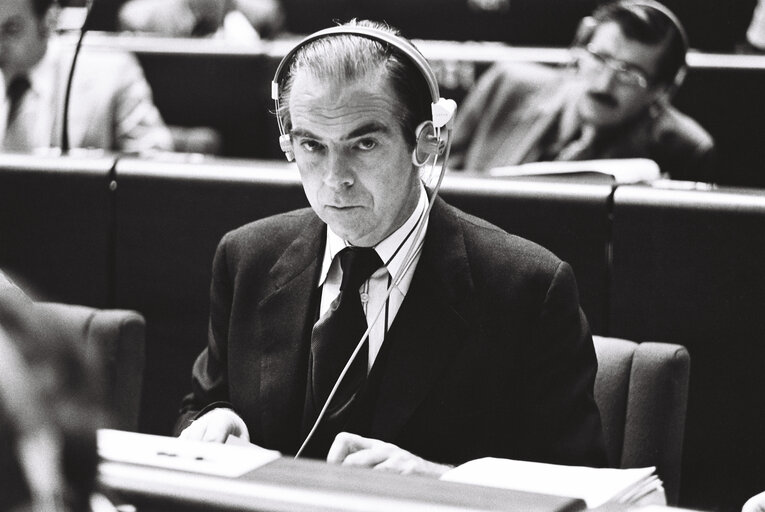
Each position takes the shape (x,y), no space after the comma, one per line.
(65,117)
(409,259)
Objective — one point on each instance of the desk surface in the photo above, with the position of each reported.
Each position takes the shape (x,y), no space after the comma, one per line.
(298,485)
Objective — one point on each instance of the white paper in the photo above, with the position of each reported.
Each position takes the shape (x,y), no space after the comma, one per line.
(624,170)
(595,486)
(173,453)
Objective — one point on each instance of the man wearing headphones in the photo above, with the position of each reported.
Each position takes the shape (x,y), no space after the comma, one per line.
(470,341)
(614,102)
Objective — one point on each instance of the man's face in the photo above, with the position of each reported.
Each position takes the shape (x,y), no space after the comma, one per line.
(608,67)
(23,37)
(354,163)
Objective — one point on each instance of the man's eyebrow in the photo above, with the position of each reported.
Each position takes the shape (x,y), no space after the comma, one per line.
(365,129)
(298,132)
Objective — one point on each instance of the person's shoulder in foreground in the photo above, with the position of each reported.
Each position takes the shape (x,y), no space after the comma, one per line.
(50,407)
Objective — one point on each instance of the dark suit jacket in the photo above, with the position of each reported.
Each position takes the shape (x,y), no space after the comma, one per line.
(489,354)
(504,118)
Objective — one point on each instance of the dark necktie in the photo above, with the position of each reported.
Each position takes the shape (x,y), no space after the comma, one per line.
(333,339)
(15,93)
(580,147)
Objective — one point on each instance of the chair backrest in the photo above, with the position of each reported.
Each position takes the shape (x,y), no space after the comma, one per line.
(118,337)
(642,392)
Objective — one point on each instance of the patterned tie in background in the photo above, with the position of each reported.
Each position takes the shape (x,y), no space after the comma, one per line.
(580,148)
(333,339)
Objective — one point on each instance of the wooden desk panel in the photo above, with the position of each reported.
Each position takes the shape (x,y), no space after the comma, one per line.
(308,485)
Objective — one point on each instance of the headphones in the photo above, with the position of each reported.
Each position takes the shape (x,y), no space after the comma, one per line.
(430,142)
(589,24)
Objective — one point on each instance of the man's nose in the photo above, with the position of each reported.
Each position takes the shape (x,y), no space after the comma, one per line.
(338,172)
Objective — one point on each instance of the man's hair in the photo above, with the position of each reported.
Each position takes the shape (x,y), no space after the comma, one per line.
(648,25)
(41,7)
(345,57)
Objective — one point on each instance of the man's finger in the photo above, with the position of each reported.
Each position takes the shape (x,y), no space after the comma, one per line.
(344,444)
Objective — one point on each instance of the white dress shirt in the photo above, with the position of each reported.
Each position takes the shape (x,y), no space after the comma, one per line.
(393,251)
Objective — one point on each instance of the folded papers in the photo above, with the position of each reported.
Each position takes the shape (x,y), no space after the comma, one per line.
(596,486)
(623,170)
(173,453)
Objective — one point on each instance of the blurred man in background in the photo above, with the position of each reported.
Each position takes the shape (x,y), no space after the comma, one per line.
(629,59)
(111,104)
(237,20)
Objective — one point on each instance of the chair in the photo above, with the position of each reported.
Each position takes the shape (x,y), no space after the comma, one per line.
(642,392)
(118,337)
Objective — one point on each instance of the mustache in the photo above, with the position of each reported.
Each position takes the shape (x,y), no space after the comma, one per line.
(603,98)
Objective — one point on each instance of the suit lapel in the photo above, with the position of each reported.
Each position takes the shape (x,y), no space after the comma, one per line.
(285,317)
(428,329)
(543,111)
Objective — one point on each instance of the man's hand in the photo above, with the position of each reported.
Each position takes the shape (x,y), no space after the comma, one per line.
(354,450)
(215,426)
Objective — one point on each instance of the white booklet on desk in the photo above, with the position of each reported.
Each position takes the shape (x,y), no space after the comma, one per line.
(173,453)
(623,170)
(596,486)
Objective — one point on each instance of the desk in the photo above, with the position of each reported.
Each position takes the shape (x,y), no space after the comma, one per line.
(309,485)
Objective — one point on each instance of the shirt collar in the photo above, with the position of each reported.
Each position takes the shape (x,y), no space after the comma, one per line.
(406,236)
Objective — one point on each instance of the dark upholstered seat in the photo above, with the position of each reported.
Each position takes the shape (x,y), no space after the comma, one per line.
(642,392)
(118,337)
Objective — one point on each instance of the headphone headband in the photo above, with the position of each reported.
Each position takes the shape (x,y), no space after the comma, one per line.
(442,110)
(663,9)
(375,34)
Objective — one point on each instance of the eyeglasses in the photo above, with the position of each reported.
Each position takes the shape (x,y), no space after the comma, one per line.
(625,73)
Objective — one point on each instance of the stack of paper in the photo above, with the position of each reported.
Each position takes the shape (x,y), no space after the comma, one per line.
(596,486)
(623,170)
(173,453)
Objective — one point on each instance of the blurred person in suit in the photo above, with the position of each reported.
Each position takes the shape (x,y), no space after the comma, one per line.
(111,103)
(50,408)
(613,102)
(235,20)
(481,348)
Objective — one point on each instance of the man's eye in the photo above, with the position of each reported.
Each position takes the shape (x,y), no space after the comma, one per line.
(310,145)
(366,144)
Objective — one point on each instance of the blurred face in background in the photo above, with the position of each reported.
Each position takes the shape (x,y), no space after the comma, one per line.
(617,77)
(23,37)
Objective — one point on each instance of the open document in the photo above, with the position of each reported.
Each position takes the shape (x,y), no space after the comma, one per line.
(623,170)
(596,486)
(173,453)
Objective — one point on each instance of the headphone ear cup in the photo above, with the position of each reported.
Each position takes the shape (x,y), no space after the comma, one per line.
(285,144)
(428,144)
